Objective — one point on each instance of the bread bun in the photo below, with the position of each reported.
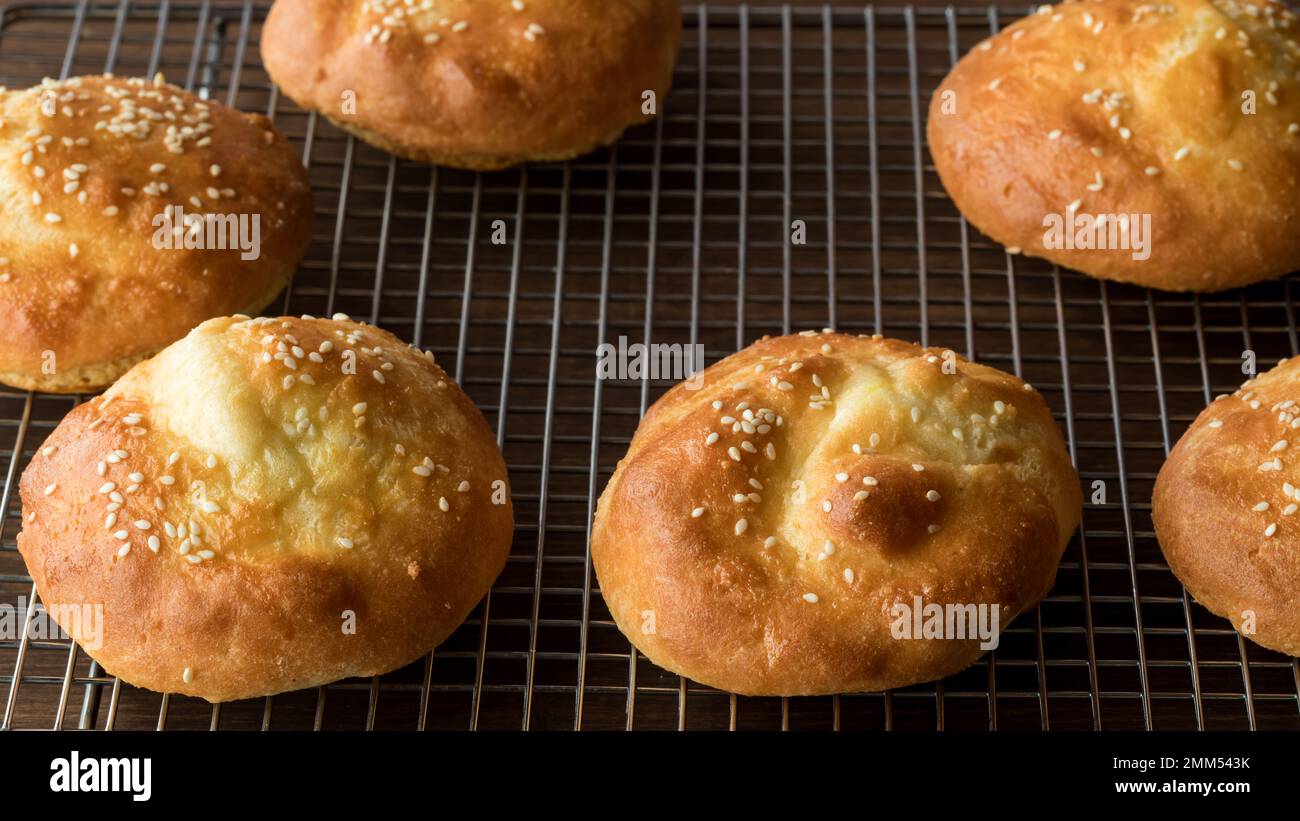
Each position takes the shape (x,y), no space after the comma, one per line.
(1227,510)
(479,84)
(1183,115)
(266,505)
(761,529)
(88,169)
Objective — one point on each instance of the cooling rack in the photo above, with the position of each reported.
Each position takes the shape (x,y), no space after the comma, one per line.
(679,234)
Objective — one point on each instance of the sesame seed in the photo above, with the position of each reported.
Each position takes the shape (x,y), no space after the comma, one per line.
(918,468)
(49,489)
(932,495)
(1235,165)
(932,529)
(1216,423)
(811,598)
(124,549)
(841,477)
(734,454)
(826,505)
(1271,529)
(460,26)
(421,470)
(697,513)
(1262,506)
(141,524)
(344,542)
(741,526)
(848,575)
(187,675)
(1152,171)
(443,504)
(154,543)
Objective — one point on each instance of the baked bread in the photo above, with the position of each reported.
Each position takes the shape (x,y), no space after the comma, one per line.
(761,529)
(1225,509)
(89,168)
(266,505)
(1106,108)
(480,84)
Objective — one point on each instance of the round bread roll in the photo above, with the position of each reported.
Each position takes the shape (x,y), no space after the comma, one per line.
(1176,123)
(266,505)
(479,84)
(1225,509)
(91,278)
(762,529)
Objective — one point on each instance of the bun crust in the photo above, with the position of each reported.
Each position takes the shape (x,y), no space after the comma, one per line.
(499,86)
(755,594)
(86,165)
(307,485)
(1129,107)
(1234,557)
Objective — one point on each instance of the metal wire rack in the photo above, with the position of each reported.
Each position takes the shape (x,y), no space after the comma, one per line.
(679,234)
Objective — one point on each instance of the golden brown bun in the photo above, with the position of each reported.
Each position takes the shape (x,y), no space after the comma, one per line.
(500,85)
(84,290)
(306,483)
(728,608)
(1227,511)
(1148,86)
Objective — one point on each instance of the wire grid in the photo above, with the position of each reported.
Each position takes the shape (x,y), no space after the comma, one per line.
(679,234)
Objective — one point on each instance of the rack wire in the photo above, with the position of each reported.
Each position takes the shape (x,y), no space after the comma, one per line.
(679,234)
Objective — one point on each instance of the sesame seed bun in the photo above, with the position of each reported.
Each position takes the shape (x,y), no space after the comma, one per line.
(1124,107)
(266,505)
(88,286)
(1226,509)
(480,84)
(760,530)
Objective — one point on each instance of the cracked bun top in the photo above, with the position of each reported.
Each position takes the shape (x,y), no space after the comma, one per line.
(479,84)
(97,174)
(236,503)
(1177,124)
(761,529)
